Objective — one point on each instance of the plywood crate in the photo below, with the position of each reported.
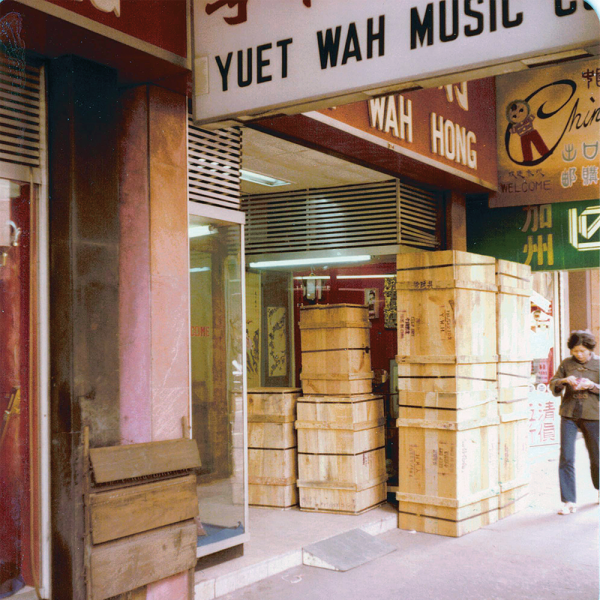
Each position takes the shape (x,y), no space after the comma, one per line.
(272,467)
(335,335)
(343,362)
(513,385)
(451,375)
(513,444)
(456,407)
(344,398)
(512,499)
(339,415)
(340,441)
(276,436)
(513,400)
(447,460)
(446,306)
(513,310)
(272,496)
(272,405)
(323,315)
(341,470)
(330,384)
(333,499)
(448,518)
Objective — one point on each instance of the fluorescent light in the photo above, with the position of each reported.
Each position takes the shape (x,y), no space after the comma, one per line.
(261,179)
(366,276)
(309,261)
(200,231)
(199,269)
(314,277)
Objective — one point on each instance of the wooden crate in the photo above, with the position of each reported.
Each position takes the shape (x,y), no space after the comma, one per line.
(446,306)
(513,400)
(456,407)
(448,519)
(513,457)
(335,336)
(343,501)
(447,460)
(445,376)
(272,467)
(340,441)
(341,470)
(329,384)
(512,500)
(324,315)
(346,399)
(346,361)
(272,405)
(276,436)
(272,496)
(513,310)
(339,415)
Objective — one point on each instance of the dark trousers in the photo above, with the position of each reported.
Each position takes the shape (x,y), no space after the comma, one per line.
(566,466)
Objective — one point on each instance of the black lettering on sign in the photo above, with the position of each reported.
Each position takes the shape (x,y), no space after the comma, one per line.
(455,17)
(240,60)
(283,44)
(330,40)
(261,63)
(224,69)
(569,9)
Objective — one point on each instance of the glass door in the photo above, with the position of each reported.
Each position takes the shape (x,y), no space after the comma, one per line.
(217,342)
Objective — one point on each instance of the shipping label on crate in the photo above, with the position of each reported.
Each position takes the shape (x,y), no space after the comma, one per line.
(544,420)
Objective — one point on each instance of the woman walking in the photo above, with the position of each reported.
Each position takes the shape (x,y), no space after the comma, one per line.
(576,379)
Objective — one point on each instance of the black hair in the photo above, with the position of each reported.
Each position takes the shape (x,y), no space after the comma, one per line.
(581,338)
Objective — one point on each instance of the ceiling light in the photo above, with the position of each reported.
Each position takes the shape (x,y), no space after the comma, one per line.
(366,276)
(314,277)
(199,269)
(200,231)
(261,179)
(309,261)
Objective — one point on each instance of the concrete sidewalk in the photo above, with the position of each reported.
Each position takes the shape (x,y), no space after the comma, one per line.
(535,554)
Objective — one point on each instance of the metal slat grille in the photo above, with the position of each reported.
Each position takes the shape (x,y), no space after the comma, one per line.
(20,117)
(214,163)
(345,217)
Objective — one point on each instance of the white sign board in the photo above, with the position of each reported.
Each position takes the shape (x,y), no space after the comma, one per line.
(252,57)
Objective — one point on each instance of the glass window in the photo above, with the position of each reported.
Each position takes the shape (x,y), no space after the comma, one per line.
(216,308)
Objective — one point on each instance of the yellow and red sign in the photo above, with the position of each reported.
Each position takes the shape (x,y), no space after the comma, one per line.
(548,134)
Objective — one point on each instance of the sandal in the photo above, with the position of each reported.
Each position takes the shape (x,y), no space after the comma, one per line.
(568,508)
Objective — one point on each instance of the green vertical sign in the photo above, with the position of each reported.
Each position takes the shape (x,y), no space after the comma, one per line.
(547,237)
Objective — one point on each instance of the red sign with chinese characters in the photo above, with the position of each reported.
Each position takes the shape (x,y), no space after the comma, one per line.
(161,23)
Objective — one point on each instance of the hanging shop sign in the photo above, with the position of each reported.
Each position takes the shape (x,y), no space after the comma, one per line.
(548,237)
(253,56)
(548,133)
(451,127)
(162,23)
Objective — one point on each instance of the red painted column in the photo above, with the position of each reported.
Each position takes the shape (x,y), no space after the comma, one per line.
(154,282)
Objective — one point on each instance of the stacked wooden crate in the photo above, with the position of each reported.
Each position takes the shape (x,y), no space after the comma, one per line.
(272,459)
(514,372)
(341,436)
(448,414)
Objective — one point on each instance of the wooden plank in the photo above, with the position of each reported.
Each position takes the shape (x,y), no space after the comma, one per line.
(115,463)
(332,415)
(474,413)
(350,398)
(338,469)
(474,377)
(332,386)
(332,338)
(275,436)
(343,362)
(272,467)
(272,496)
(325,314)
(270,406)
(340,441)
(513,450)
(127,564)
(332,500)
(119,513)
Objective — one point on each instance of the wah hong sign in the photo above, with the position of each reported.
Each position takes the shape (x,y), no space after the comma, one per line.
(254,56)
(548,237)
(548,134)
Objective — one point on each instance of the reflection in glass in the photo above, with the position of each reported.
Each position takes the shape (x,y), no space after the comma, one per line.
(217,375)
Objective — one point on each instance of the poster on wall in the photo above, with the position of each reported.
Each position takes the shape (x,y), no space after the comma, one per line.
(390,313)
(548,134)
(276,324)
(372,301)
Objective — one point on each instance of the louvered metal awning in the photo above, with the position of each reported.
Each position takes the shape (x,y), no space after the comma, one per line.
(376,217)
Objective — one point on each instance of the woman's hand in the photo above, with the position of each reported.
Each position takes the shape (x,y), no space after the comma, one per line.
(585,384)
(570,380)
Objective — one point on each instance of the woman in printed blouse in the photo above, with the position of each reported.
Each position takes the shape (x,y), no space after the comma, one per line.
(577,380)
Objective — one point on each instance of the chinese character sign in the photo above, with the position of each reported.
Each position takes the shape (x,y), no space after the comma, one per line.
(544,420)
(548,132)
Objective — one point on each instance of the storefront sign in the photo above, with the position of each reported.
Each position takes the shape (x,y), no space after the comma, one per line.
(161,23)
(548,132)
(451,127)
(548,237)
(251,56)
(544,420)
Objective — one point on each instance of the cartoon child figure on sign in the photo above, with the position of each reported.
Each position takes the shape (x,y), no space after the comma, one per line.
(519,115)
